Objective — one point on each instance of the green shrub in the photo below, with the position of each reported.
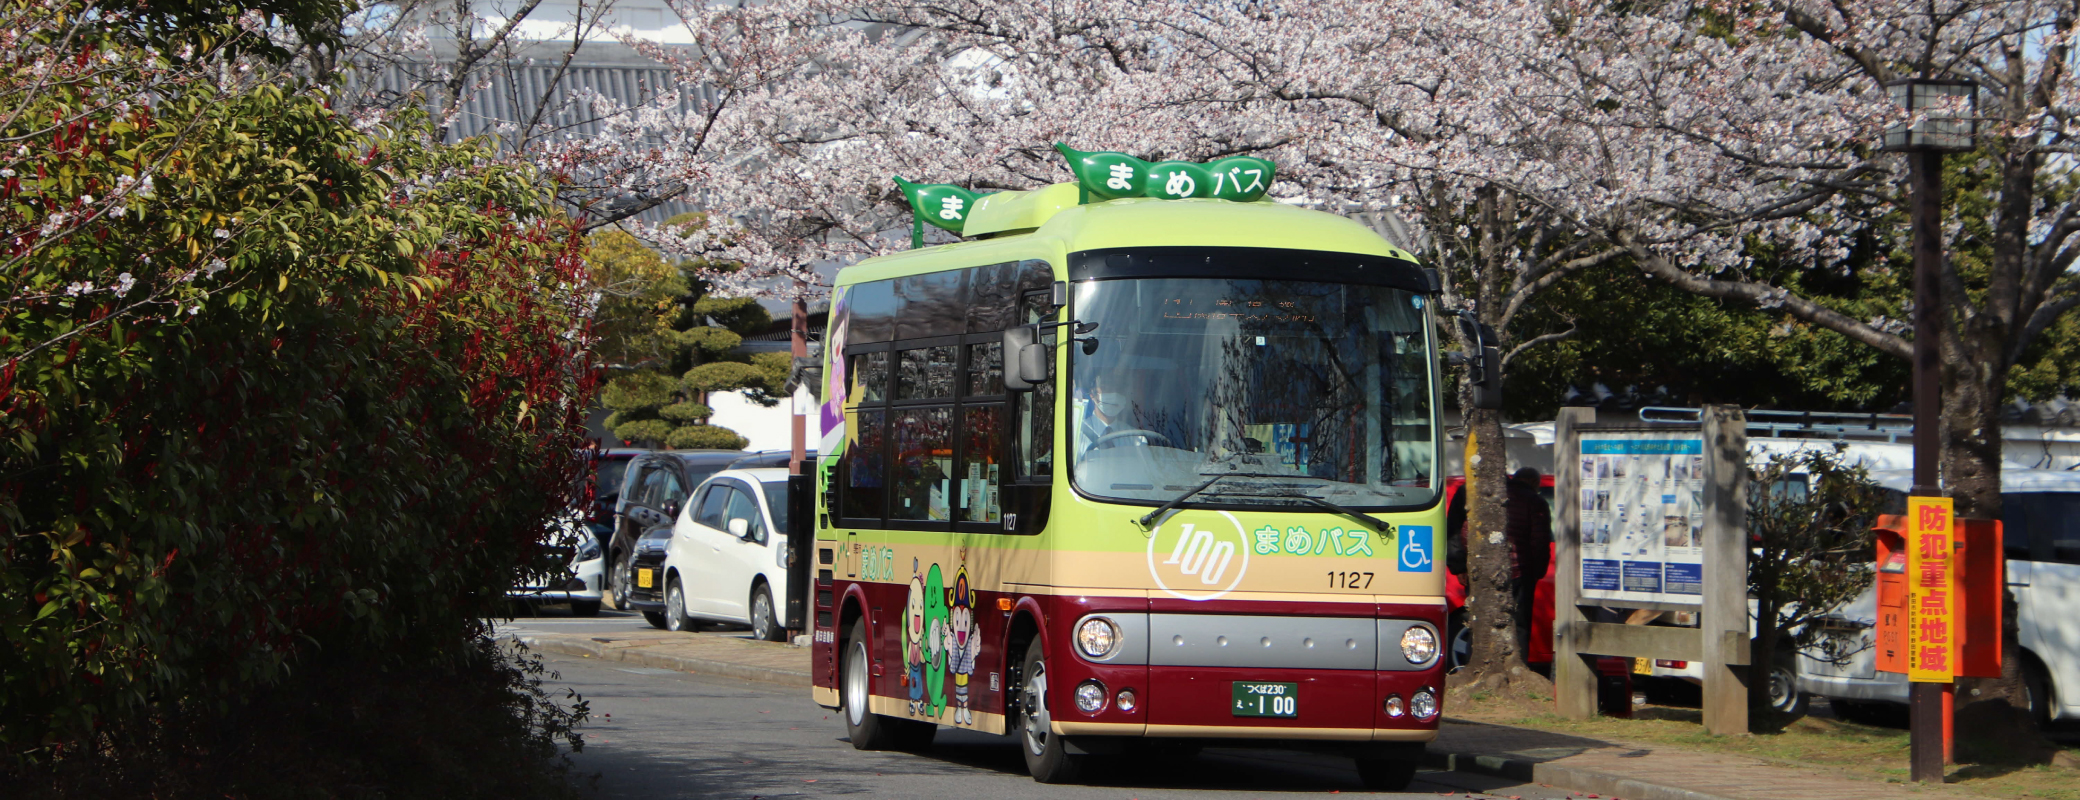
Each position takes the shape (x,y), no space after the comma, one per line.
(693,437)
(278,398)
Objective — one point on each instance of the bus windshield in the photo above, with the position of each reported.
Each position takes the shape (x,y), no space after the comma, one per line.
(1296,389)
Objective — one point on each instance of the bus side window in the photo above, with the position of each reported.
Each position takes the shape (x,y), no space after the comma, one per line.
(863,480)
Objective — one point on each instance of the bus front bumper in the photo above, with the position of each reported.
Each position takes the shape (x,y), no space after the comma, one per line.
(1203,676)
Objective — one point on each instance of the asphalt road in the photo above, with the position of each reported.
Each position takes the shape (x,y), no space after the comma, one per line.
(658,734)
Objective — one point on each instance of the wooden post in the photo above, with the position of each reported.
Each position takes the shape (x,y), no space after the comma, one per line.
(1724,621)
(1574,676)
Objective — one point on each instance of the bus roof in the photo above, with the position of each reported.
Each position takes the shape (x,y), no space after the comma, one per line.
(1065,228)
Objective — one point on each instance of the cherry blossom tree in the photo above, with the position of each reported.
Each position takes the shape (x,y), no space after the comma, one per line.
(822,103)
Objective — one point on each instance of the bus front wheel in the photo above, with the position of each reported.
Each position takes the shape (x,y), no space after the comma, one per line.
(1390,771)
(1047,755)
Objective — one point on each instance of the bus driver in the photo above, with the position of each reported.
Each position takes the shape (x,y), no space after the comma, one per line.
(1105,413)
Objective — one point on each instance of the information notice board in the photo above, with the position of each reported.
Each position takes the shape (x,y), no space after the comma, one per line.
(1642,517)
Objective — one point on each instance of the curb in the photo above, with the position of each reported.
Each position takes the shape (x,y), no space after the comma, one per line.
(1569,778)
(639,655)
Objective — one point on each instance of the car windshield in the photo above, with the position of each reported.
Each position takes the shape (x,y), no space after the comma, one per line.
(610,471)
(1296,388)
(776,503)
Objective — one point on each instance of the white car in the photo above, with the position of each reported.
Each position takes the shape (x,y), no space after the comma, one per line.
(2040,525)
(727,558)
(583,585)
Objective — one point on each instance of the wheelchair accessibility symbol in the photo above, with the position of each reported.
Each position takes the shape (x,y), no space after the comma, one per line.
(1415,548)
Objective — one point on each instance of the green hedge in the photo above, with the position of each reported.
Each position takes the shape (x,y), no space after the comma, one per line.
(310,400)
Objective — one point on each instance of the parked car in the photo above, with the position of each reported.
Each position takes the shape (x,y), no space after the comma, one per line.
(769,458)
(2040,524)
(608,467)
(584,539)
(582,586)
(653,487)
(726,557)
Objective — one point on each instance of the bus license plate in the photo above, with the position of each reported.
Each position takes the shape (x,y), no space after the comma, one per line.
(1266,699)
(643,579)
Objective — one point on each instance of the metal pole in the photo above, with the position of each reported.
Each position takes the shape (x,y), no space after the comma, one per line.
(799,346)
(1925,178)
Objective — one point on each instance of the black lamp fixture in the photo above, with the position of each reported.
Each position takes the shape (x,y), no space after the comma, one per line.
(1943,127)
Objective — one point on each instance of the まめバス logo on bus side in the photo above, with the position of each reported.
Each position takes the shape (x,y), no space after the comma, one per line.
(1197,560)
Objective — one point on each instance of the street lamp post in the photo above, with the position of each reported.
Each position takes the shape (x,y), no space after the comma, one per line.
(1939,127)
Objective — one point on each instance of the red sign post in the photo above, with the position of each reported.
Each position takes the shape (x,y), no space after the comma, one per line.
(1940,582)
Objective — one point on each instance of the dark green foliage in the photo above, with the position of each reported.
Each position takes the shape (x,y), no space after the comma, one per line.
(315,441)
(666,401)
(1632,331)
(1810,516)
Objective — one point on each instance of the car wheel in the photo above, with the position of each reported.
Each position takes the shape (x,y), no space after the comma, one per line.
(1461,641)
(763,626)
(1784,696)
(584,608)
(675,608)
(2036,693)
(1388,774)
(1047,755)
(618,580)
(866,729)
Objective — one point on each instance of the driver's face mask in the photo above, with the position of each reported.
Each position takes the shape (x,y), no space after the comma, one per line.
(1110,403)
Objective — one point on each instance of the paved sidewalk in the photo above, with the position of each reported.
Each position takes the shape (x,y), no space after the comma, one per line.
(728,654)
(1593,767)
(1636,772)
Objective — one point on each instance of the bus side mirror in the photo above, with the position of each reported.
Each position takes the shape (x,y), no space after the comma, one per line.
(1025,358)
(1484,362)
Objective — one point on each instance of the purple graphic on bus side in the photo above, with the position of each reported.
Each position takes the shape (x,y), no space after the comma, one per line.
(834,379)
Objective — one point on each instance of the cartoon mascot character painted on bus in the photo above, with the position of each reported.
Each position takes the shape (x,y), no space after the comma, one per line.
(963,645)
(934,640)
(913,641)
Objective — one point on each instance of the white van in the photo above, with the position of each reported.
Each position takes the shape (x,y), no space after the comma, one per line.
(2040,523)
(727,559)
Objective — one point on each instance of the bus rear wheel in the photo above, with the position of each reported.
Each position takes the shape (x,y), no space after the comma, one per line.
(1047,755)
(866,729)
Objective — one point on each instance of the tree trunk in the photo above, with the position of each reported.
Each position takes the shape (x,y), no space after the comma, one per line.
(1992,717)
(1496,663)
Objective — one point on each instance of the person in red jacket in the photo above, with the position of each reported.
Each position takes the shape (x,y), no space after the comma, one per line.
(1528,525)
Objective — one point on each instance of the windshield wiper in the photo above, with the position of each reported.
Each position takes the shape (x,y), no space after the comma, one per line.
(1149,518)
(1377,524)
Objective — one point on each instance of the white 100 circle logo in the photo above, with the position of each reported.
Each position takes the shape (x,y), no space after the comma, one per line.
(1201,563)
(1198,554)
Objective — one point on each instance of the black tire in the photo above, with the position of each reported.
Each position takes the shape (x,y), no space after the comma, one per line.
(675,619)
(584,608)
(866,729)
(764,627)
(1047,756)
(2037,693)
(1784,696)
(619,576)
(1387,774)
(1459,641)
(655,618)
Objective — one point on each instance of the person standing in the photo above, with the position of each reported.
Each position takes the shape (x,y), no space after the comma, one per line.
(1528,525)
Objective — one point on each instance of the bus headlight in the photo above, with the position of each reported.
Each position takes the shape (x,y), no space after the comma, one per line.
(1423,705)
(1418,644)
(1090,697)
(1097,637)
